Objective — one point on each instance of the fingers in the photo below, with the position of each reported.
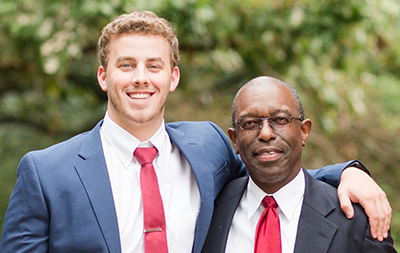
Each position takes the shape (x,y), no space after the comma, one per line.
(345,203)
(385,212)
(358,187)
(379,212)
(373,216)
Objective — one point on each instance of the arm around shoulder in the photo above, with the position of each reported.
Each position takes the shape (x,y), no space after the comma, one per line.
(357,186)
(331,173)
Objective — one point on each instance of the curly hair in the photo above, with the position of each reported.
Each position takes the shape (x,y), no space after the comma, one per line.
(143,23)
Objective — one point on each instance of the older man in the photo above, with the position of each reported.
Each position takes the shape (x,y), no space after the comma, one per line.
(280,207)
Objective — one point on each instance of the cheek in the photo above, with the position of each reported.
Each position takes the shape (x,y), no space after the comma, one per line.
(161,82)
(244,143)
(291,137)
(122,78)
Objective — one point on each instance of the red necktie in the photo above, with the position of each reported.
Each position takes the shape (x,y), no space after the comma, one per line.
(155,237)
(268,232)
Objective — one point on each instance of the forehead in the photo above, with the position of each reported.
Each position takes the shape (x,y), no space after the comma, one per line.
(263,100)
(139,42)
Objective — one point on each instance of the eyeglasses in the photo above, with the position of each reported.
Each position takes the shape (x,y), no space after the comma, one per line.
(276,121)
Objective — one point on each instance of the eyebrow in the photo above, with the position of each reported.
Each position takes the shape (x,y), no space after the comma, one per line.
(272,114)
(129,58)
(157,59)
(124,58)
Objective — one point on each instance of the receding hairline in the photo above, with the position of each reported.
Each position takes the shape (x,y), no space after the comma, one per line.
(268,80)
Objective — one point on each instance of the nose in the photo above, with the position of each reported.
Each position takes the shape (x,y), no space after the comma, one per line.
(266,132)
(140,76)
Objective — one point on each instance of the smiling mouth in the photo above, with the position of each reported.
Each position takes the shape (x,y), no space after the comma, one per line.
(268,153)
(139,95)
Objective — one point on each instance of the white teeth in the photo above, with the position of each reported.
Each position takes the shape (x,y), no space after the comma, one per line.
(139,95)
(269,153)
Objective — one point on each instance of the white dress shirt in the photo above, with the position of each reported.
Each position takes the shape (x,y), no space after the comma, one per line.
(290,201)
(178,187)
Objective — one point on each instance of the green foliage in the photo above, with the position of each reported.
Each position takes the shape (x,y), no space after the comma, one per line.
(341,55)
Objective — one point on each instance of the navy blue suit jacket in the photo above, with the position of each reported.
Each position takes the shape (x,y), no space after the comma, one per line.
(322,227)
(62,200)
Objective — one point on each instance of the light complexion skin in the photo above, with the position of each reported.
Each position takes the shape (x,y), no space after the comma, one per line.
(138,79)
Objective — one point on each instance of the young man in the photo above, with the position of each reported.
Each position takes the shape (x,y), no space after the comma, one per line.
(269,133)
(85,195)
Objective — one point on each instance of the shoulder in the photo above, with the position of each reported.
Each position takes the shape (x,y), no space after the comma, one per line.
(205,132)
(67,150)
(355,233)
(191,126)
(66,146)
(319,193)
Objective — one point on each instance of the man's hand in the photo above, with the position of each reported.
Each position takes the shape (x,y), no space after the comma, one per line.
(358,187)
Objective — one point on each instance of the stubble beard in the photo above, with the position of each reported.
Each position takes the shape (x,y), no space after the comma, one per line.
(135,117)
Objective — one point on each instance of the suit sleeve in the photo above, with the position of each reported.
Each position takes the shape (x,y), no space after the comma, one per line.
(331,174)
(26,223)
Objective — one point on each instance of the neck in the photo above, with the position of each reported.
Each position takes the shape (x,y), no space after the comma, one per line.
(142,131)
(273,184)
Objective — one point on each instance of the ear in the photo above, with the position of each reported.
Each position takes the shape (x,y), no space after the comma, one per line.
(233,137)
(305,130)
(102,77)
(175,77)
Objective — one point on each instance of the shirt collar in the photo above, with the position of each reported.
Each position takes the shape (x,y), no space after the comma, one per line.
(287,197)
(124,143)
(162,142)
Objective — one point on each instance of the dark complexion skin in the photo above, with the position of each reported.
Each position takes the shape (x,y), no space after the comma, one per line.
(272,155)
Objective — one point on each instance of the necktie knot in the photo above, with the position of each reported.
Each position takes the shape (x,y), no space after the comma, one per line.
(145,155)
(269,201)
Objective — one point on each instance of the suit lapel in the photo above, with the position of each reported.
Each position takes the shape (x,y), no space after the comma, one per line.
(315,233)
(94,176)
(225,207)
(195,153)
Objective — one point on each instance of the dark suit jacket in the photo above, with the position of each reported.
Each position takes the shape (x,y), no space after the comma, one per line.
(62,200)
(322,226)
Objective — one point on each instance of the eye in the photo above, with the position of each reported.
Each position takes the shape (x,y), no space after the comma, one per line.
(154,67)
(280,120)
(249,123)
(125,65)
